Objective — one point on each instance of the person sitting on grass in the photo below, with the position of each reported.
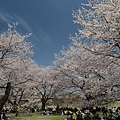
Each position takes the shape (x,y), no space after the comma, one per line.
(87,115)
(96,116)
(69,115)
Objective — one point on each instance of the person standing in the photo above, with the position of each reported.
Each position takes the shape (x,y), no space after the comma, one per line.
(79,116)
(4,115)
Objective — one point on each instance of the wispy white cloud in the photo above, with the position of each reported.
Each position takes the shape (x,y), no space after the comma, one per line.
(6,16)
(38,34)
(39,38)
(23,23)
(43,36)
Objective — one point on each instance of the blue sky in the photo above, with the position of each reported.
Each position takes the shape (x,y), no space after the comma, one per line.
(49,21)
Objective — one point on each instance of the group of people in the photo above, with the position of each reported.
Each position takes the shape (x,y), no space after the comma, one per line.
(106,114)
(79,116)
(4,117)
(92,113)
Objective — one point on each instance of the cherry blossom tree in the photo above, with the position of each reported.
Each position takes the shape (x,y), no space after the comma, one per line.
(48,84)
(100,22)
(100,30)
(91,76)
(13,48)
(91,63)
(23,80)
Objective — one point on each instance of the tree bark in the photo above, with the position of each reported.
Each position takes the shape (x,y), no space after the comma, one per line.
(4,99)
(43,103)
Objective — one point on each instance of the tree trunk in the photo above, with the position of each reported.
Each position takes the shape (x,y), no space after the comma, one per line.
(4,99)
(43,104)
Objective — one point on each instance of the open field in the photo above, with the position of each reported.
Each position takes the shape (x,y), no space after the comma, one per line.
(36,116)
(40,116)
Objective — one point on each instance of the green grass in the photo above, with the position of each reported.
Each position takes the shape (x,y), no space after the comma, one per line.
(36,116)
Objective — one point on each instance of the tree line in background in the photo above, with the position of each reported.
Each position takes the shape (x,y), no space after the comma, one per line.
(89,68)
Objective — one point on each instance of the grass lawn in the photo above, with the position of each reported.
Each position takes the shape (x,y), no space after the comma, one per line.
(36,116)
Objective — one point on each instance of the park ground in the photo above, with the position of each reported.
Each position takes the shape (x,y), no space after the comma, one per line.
(40,116)
(35,116)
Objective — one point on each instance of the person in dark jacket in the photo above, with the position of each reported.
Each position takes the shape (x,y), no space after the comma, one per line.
(79,116)
(4,115)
